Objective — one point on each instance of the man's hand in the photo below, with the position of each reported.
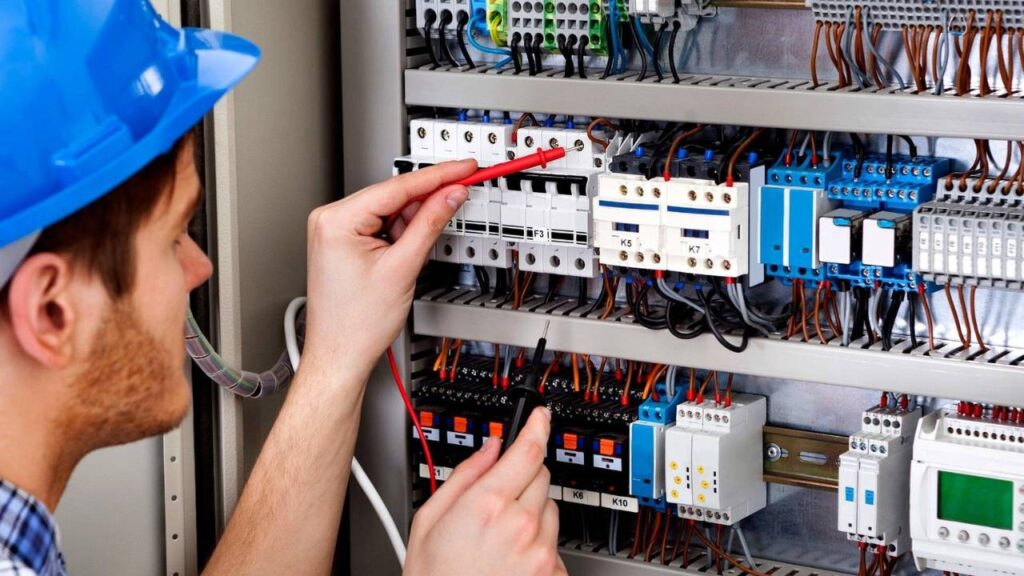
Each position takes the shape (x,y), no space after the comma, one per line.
(360,286)
(492,516)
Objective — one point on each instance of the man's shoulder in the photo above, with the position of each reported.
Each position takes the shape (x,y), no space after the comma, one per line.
(12,567)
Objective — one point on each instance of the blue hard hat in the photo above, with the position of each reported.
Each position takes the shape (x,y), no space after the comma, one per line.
(90,92)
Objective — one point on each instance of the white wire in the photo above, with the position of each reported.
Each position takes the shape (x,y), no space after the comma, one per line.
(873,303)
(291,342)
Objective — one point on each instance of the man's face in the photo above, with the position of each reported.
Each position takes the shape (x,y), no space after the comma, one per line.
(134,384)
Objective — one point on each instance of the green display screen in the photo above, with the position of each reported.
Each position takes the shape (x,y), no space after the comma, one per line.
(976,500)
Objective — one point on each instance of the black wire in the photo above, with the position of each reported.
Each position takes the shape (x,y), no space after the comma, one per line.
(517,58)
(889,140)
(654,323)
(911,145)
(689,331)
(890,319)
(538,53)
(709,319)
(611,56)
(553,282)
(859,317)
(528,48)
(563,49)
(570,51)
(858,146)
(640,49)
(581,64)
(446,50)
(500,284)
(430,18)
(483,279)
(657,50)
(460,36)
(581,295)
(912,318)
(676,27)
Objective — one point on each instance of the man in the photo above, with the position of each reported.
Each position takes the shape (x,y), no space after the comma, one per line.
(97,186)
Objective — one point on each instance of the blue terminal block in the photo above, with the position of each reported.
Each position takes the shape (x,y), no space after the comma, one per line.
(647,448)
(913,182)
(793,199)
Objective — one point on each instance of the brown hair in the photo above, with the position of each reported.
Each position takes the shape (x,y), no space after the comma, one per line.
(99,238)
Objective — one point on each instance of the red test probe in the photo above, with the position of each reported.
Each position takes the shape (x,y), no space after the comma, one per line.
(541,158)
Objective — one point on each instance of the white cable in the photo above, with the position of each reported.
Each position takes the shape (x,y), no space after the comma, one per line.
(291,341)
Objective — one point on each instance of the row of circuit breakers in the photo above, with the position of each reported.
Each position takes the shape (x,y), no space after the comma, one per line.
(866,220)
(947,486)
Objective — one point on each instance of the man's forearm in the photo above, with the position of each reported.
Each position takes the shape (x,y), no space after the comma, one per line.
(290,508)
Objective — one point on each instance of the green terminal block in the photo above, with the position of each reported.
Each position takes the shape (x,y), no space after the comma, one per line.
(579,19)
(496,12)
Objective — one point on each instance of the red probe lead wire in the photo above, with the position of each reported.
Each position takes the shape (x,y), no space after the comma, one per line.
(541,159)
(397,376)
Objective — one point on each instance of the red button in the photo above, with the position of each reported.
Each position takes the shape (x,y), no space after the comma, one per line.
(460,425)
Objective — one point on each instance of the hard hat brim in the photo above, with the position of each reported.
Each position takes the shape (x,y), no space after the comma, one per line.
(218,61)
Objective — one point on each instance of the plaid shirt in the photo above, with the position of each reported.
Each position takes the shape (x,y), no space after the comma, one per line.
(28,536)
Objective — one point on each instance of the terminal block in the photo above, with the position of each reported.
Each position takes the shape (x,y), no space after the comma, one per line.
(895,15)
(713,460)
(962,240)
(647,448)
(793,200)
(874,477)
(967,491)
(440,8)
(526,21)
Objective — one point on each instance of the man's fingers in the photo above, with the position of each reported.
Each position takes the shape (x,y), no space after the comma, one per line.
(522,461)
(384,199)
(536,494)
(465,475)
(549,525)
(423,230)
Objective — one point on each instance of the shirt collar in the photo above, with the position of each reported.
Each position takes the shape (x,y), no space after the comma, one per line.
(28,533)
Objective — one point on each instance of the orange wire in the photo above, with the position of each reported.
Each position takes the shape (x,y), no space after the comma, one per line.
(575,373)
(441,354)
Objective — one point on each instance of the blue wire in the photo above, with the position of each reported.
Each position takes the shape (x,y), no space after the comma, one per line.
(643,39)
(485,49)
(614,29)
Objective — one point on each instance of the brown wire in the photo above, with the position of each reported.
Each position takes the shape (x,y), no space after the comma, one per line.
(983,152)
(840,82)
(519,124)
(963,74)
(966,314)
(1004,70)
(653,538)
(922,50)
(664,540)
(814,53)
(987,34)
(956,317)
(935,55)
(858,39)
(675,146)
(974,321)
(872,61)
(789,148)
(908,49)
(847,74)
(739,151)
(817,313)
(601,122)
(803,311)
(929,320)
(994,186)
(636,535)
(728,558)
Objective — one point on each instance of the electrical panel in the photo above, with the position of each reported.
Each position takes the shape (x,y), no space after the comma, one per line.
(713,461)
(672,218)
(874,476)
(967,491)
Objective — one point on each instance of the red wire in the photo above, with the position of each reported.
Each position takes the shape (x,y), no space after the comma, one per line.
(412,415)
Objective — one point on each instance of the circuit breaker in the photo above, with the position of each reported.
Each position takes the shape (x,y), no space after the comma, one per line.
(713,461)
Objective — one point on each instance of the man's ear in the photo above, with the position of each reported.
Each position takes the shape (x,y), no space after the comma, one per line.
(42,309)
